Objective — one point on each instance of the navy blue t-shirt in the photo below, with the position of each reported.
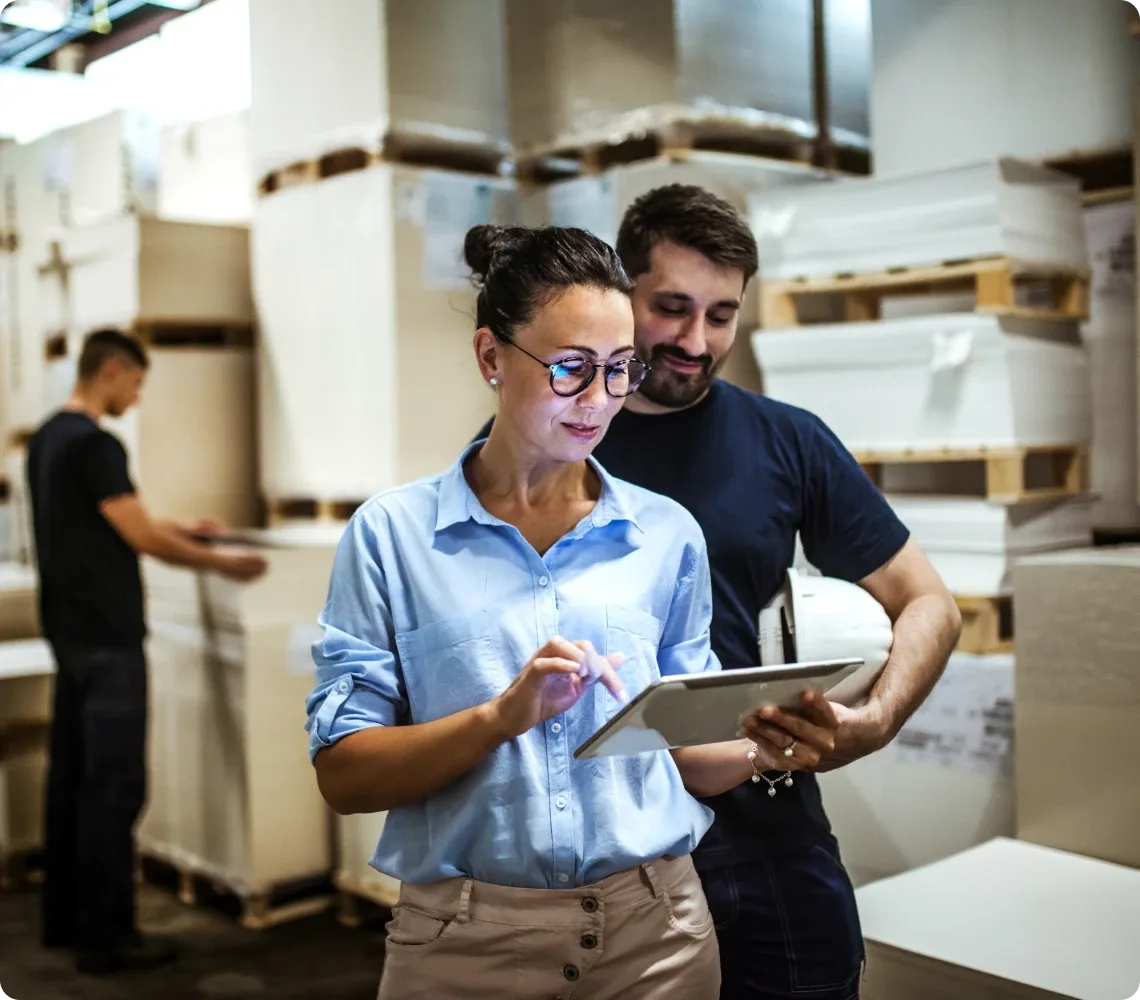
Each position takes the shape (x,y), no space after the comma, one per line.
(753,472)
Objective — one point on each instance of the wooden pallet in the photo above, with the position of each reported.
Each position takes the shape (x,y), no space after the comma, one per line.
(676,140)
(987,624)
(1116,535)
(361,902)
(484,159)
(176,333)
(305,509)
(256,911)
(995,282)
(1010,474)
(1106,175)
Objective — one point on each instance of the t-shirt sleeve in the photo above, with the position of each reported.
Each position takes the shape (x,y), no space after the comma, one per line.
(848,529)
(103,467)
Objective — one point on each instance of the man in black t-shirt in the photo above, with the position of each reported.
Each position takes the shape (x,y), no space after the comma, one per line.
(90,528)
(755,472)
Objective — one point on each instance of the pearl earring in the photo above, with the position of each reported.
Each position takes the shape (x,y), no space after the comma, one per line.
(494,381)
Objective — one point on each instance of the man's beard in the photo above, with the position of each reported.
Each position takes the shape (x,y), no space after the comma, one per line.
(667,387)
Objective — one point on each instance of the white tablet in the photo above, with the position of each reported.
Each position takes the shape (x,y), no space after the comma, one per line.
(686,710)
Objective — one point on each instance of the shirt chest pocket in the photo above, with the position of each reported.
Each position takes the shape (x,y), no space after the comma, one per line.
(636,635)
(451,665)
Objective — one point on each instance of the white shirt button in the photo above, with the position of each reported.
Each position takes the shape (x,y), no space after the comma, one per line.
(560,802)
(543,581)
(563,878)
(556,727)
(342,687)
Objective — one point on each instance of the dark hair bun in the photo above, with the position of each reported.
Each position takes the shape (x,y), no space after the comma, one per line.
(481,245)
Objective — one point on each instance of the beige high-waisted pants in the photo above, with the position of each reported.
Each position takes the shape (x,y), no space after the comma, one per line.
(643,934)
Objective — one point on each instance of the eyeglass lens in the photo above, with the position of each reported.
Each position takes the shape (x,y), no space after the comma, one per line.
(572,376)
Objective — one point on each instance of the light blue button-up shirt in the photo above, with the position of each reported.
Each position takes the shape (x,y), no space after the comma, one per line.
(435,606)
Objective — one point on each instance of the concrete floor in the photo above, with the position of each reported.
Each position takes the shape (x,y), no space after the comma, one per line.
(314,959)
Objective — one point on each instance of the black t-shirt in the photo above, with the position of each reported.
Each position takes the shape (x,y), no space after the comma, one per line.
(90,585)
(753,472)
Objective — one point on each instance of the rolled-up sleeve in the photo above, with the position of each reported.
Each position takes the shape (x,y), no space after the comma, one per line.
(686,641)
(359,681)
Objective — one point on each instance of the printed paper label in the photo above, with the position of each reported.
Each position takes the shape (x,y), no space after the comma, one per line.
(1111,234)
(451,206)
(967,721)
(587,203)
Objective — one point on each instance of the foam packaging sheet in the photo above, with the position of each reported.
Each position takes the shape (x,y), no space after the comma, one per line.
(364,301)
(973,544)
(956,380)
(1078,672)
(954,751)
(1003,921)
(1000,207)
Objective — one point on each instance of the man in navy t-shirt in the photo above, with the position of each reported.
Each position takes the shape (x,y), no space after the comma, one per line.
(754,472)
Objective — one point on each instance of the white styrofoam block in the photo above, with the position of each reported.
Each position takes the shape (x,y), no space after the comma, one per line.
(993,208)
(207,171)
(1110,337)
(364,66)
(1017,913)
(953,381)
(955,82)
(943,785)
(973,544)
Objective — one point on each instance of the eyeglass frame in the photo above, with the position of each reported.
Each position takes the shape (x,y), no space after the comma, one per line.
(593,374)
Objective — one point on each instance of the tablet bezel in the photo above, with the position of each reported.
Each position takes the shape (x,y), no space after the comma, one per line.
(740,677)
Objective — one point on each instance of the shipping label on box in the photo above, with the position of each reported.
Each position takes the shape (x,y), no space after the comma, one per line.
(967,722)
(588,203)
(1111,234)
(452,204)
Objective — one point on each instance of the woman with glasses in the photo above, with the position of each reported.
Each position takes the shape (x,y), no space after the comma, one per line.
(480,625)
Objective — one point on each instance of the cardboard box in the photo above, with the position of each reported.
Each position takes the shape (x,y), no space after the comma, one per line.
(192,439)
(365,68)
(233,791)
(367,376)
(962,381)
(207,172)
(138,270)
(1078,672)
(1003,921)
(943,785)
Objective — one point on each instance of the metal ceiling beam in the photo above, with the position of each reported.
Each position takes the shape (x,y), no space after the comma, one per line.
(27,52)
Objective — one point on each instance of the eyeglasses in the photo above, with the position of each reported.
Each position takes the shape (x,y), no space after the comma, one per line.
(573,375)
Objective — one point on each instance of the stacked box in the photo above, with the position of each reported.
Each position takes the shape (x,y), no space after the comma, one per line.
(234,795)
(207,172)
(1078,667)
(364,300)
(584,70)
(368,69)
(357,838)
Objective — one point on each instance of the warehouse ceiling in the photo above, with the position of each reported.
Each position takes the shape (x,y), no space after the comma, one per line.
(69,34)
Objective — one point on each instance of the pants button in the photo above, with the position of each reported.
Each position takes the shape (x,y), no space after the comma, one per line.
(590,905)
(571,973)
(588,941)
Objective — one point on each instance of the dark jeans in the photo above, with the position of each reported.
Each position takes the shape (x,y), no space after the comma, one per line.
(787,927)
(96,789)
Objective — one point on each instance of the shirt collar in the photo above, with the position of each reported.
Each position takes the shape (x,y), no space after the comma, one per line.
(458,503)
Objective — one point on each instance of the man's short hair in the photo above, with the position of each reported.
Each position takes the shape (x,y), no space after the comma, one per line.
(691,217)
(102,345)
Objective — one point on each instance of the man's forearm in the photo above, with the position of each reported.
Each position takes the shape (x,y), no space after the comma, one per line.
(925,635)
(170,545)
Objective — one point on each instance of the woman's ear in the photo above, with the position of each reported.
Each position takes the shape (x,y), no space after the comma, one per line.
(487,353)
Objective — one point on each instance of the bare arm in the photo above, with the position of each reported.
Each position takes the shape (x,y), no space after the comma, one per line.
(927,624)
(383,767)
(167,542)
(714,769)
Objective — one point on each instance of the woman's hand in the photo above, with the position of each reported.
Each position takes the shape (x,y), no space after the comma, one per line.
(809,733)
(556,676)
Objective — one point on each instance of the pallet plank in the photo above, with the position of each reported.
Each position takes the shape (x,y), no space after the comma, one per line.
(987,624)
(994,281)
